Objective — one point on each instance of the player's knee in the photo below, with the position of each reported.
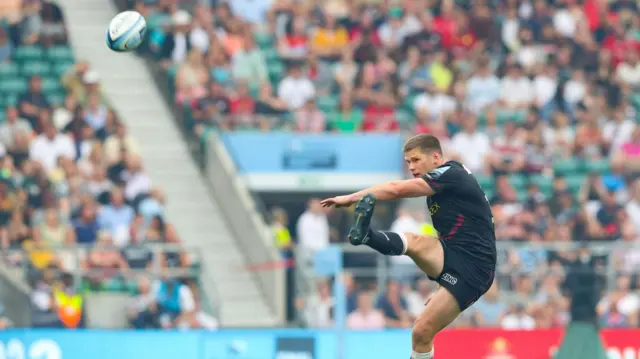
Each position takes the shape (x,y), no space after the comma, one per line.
(424,330)
(420,243)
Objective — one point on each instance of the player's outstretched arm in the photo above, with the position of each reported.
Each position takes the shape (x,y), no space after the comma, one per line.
(389,191)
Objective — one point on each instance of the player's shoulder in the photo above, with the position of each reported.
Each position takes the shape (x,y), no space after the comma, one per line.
(448,168)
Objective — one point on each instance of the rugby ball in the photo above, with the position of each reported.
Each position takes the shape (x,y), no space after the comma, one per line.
(126,31)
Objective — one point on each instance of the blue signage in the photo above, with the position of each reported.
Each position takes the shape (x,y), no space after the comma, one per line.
(225,344)
(342,153)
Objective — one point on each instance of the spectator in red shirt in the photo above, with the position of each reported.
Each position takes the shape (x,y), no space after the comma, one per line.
(242,106)
(445,24)
(295,44)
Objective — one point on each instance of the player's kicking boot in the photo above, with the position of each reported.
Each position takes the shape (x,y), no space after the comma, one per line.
(389,243)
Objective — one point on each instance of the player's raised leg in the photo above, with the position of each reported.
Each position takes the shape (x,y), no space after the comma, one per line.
(387,243)
(426,251)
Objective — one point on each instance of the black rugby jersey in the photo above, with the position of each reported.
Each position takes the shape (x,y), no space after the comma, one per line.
(461,212)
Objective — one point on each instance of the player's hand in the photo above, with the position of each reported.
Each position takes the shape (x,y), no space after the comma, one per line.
(338,201)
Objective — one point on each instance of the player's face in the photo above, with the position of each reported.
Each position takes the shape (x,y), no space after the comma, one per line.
(420,163)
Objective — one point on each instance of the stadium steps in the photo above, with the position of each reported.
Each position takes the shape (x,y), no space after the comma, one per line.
(190,207)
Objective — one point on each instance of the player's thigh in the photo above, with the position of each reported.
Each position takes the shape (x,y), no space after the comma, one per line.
(439,311)
(427,252)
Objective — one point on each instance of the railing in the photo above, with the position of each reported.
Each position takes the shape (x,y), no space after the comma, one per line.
(373,270)
(75,260)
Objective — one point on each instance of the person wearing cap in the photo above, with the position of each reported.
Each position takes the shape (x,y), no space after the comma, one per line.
(177,43)
(80,80)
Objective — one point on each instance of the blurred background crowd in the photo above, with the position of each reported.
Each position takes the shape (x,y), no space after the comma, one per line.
(78,213)
(539,98)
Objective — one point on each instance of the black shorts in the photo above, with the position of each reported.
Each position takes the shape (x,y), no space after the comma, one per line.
(466,280)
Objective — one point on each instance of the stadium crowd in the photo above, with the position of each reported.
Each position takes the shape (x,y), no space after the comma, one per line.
(539,98)
(78,213)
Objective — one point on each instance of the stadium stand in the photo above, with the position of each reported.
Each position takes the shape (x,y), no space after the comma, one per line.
(539,98)
(79,215)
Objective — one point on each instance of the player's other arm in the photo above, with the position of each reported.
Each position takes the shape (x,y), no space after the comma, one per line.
(389,191)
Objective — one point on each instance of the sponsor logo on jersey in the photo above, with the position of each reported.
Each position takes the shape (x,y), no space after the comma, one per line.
(434,208)
(449,278)
(438,172)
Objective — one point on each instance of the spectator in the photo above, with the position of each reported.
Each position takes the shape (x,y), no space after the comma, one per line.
(418,298)
(86,226)
(115,217)
(515,90)
(313,228)
(309,118)
(33,102)
(295,44)
(176,304)
(96,115)
(483,88)
(402,266)
(394,306)
(104,263)
(625,301)
(143,308)
(471,145)
(191,79)
(54,31)
(318,310)
(518,319)
(152,206)
(281,235)
(137,181)
(365,317)
(120,139)
(249,65)
(489,311)
(296,89)
(330,39)
(138,256)
(43,305)
(50,145)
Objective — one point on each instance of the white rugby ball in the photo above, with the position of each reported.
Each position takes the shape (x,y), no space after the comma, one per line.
(126,31)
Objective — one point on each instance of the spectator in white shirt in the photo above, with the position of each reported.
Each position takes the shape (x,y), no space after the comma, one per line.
(137,181)
(296,89)
(313,228)
(402,267)
(618,130)
(483,88)
(432,106)
(13,124)
(47,147)
(575,89)
(416,299)
(518,319)
(318,309)
(629,71)
(515,89)
(365,317)
(471,146)
(545,86)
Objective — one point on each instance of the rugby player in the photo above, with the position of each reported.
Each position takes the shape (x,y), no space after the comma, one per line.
(462,259)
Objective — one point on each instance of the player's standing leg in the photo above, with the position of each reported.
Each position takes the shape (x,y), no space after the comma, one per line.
(428,254)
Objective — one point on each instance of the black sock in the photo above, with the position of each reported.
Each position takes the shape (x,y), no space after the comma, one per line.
(387,243)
